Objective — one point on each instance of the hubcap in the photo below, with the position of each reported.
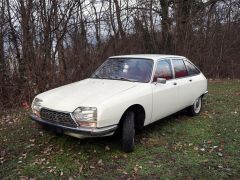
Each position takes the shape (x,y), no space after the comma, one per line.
(197,105)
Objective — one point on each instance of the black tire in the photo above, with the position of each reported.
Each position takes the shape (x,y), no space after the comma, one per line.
(195,109)
(128,132)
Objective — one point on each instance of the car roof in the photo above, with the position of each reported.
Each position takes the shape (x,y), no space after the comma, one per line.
(148,56)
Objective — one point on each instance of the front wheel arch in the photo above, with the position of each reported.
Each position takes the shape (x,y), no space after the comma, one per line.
(139,114)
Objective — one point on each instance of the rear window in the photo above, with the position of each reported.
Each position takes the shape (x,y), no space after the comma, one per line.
(179,68)
(192,70)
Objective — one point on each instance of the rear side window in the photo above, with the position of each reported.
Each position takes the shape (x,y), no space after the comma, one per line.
(179,68)
(192,70)
(163,70)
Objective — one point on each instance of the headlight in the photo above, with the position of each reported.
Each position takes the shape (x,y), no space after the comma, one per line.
(86,116)
(36,106)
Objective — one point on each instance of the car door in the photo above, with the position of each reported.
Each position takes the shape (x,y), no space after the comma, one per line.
(183,82)
(165,96)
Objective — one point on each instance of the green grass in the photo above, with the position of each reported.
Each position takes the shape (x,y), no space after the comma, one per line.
(179,146)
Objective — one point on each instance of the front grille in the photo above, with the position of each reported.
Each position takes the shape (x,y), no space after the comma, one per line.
(55,117)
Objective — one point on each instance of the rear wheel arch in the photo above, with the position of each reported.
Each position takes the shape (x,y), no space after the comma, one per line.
(196,107)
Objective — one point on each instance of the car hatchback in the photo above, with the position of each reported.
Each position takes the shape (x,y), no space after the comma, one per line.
(125,94)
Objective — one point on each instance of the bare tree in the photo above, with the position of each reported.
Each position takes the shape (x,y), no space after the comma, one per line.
(48,43)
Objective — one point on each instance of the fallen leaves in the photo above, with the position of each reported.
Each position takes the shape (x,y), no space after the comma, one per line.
(48,150)
(209,142)
(41,161)
(2,160)
(29,146)
(3,153)
(234,113)
(92,167)
(26,178)
(221,167)
(207,148)
(25,105)
(40,133)
(80,169)
(107,148)
(207,114)
(100,162)
(32,140)
(195,148)
(136,168)
(52,169)
(12,118)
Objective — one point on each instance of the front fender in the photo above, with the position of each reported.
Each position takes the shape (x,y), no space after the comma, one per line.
(111,110)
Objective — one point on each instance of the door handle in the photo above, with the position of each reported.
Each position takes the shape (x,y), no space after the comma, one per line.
(175,83)
(190,80)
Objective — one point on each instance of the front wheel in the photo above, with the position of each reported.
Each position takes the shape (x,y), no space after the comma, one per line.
(128,132)
(195,109)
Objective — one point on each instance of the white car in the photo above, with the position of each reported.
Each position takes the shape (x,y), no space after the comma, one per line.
(125,94)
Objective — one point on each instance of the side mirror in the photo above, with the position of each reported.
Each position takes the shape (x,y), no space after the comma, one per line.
(161,80)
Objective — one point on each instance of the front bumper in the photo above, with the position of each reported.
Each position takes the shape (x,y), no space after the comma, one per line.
(95,132)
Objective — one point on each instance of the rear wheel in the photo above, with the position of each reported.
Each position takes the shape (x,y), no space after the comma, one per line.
(128,132)
(195,109)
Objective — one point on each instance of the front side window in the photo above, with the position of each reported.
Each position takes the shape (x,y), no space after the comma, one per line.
(192,70)
(163,70)
(128,69)
(179,68)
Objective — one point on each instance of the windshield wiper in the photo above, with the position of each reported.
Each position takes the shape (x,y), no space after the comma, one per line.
(125,79)
(96,75)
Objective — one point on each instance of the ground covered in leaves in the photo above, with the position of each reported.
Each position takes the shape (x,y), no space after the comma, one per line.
(207,146)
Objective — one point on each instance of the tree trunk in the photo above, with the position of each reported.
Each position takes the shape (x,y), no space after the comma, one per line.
(27,40)
(182,20)
(60,48)
(166,36)
(13,35)
(119,22)
(2,61)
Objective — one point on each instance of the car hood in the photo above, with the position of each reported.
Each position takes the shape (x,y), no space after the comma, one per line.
(88,92)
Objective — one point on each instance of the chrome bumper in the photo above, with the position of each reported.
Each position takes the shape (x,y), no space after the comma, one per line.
(103,131)
(205,93)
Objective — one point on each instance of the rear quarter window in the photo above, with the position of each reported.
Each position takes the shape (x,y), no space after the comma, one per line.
(192,70)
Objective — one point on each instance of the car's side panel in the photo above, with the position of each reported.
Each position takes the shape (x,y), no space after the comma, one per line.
(165,99)
(111,110)
(176,94)
(197,83)
(197,87)
(190,88)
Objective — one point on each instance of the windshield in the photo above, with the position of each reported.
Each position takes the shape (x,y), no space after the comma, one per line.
(128,69)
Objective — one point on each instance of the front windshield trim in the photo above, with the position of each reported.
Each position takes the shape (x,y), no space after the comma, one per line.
(93,76)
